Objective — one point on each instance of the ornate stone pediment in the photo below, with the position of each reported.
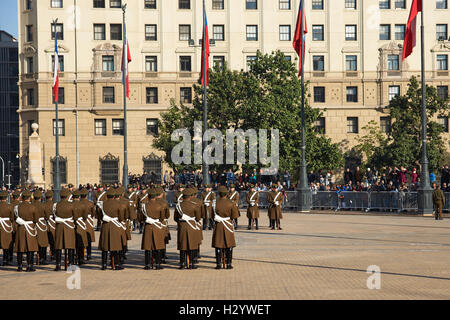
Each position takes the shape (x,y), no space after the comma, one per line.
(29,50)
(109,157)
(152,156)
(61,49)
(392,47)
(443,46)
(107,47)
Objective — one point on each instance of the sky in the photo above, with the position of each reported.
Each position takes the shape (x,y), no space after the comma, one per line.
(8,16)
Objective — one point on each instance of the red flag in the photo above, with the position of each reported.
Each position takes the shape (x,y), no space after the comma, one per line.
(298,38)
(128,57)
(205,52)
(410,34)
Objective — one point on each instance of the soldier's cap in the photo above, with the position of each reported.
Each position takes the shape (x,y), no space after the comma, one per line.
(84,192)
(76,194)
(26,194)
(49,194)
(37,194)
(153,193)
(208,185)
(70,185)
(3,195)
(16,194)
(182,186)
(120,190)
(64,193)
(111,193)
(160,190)
(222,190)
(232,186)
(188,192)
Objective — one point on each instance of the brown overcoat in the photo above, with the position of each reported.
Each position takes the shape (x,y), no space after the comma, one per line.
(6,226)
(65,232)
(188,236)
(222,237)
(275,210)
(48,210)
(80,217)
(252,210)
(166,217)
(26,240)
(111,235)
(41,225)
(154,236)
(91,213)
(201,207)
(208,199)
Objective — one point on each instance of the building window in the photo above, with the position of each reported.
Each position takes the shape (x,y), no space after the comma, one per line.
(317,4)
(385,124)
(152,95)
(117,127)
(385,32)
(319,94)
(400,31)
(150,4)
(441,4)
(318,63)
(441,32)
(184,4)
(351,63)
(29,5)
(352,94)
(59,31)
(150,32)
(442,92)
(30,96)
(352,125)
(29,33)
(185,63)
(108,95)
(385,4)
(61,127)
(394,91)
(99,3)
(62,164)
(152,127)
(285,4)
(153,167)
(217,4)
(393,62)
(56,3)
(185,32)
(219,32)
(30,66)
(99,32)
(219,61)
(350,32)
(319,125)
(251,4)
(61,63)
(252,33)
(116,31)
(442,62)
(60,96)
(285,33)
(350,4)
(443,121)
(108,63)
(109,169)
(287,58)
(151,64)
(400,4)
(115,3)
(250,60)
(318,34)
(186,95)
(100,127)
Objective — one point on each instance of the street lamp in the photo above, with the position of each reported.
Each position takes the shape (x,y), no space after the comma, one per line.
(3,171)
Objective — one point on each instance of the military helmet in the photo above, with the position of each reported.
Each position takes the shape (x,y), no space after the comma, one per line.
(49,194)
(37,194)
(26,194)
(222,190)
(64,193)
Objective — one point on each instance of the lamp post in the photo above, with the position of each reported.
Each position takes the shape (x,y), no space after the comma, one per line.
(124,76)
(3,171)
(57,186)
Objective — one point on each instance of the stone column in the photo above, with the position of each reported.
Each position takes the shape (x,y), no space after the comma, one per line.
(35,159)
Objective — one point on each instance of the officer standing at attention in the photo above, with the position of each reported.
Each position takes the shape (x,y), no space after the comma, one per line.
(223,235)
(41,228)
(48,209)
(209,201)
(80,217)
(438,201)
(275,198)
(6,226)
(233,195)
(252,210)
(65,230)
(91,213)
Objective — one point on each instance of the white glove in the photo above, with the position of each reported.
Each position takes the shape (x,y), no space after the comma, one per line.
(206,204)
(277,203)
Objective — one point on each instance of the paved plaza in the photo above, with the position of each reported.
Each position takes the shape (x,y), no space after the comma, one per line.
(315,256)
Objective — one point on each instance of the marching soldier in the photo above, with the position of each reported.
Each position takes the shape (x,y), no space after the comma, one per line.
(252,210)
(167,238)
(41,228)
(65,230)
(199,203)
(153,238)
(142,200)
(275,198)
(80,216)
(91,213)
(48,210)
(15,200)
(223,235)
(233,195)
(209,202)
(179,193)
(111,234)
(6,226)
(187,215)
(129,215)
(99,198)
(438,201)
(26,217)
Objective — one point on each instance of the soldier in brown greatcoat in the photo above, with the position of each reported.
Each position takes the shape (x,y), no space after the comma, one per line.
(15,200)
(199,203)
(252,210)
(438,201)
(112,232)
(6,226)
(41,228)
(131,196)
(223,235)
(187,215)
(91,214)
(26,217)
(48,210)
(126,208)
(275,198)
(153,238)
(233,195)
(142,199)
(80,216)
(209,201)
(167,238)
(100,196)
(65,237)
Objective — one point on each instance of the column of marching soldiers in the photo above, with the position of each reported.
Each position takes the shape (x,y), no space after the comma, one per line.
(29,225)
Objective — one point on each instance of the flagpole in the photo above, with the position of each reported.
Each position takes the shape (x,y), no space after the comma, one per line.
(304,194)
(57,186)
(124,82)
(205,167)
(425,201)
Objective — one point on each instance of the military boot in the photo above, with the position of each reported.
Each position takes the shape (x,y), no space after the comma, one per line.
(256,224)
(164,256)
(278,224)
(11,249)
(192,254)
(147,260)
(229,257)
(182,259)
(249,224)
(5,257)
(80,256)
(218,259)
(30,258)
(104,259)
(118,261)
(43,256)
(272,224)
(71,257)
(19,261)
(159,255)
(89,251)
(58,260)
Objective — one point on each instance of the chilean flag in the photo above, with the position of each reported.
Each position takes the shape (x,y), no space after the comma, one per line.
(56,71)
(125,79)
(205,51)
(410,34)
(298,38)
